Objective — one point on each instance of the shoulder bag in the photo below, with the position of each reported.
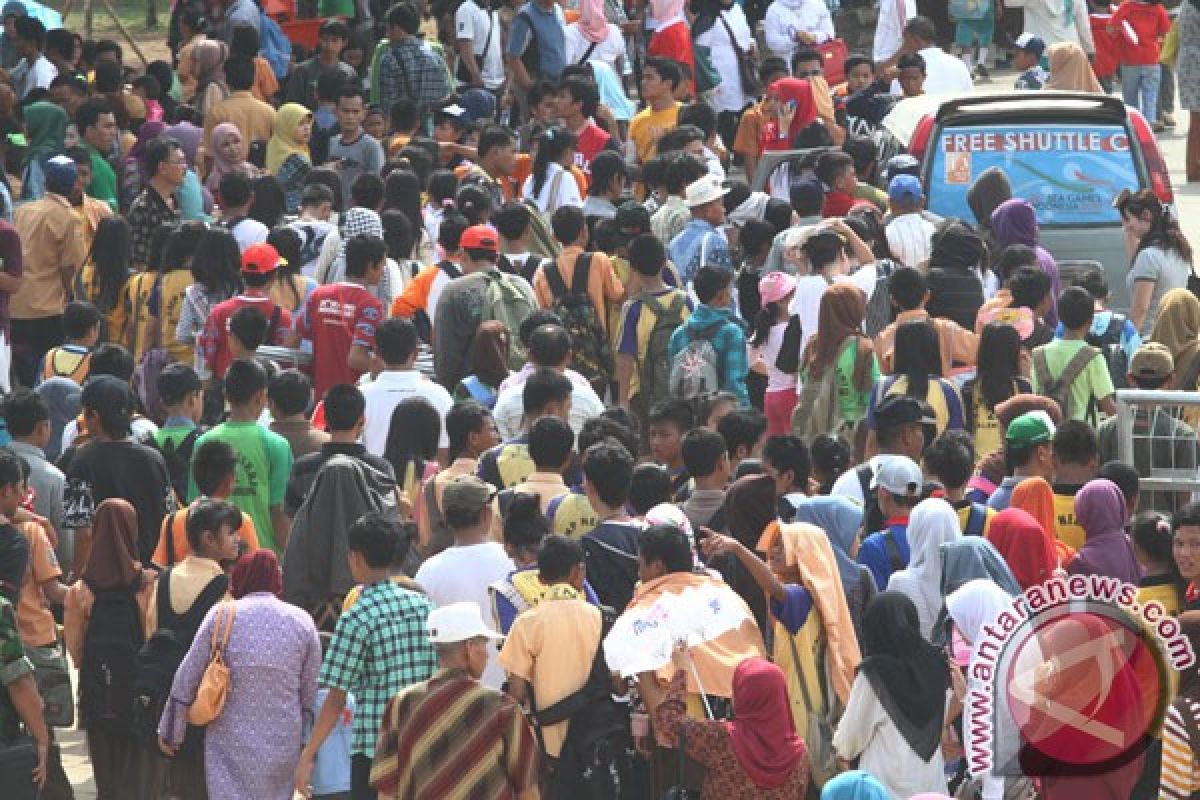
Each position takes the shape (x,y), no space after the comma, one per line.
(214,684)
(818,732)
(747,62)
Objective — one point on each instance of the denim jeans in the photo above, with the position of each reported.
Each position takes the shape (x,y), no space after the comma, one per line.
(1139,87)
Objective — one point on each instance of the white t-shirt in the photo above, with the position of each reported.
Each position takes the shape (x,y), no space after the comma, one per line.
(806,304)
(390,389)
(910,238)
(561,183)
(463,575)
(769,351)
(944,73)
(472,22)
(610,51)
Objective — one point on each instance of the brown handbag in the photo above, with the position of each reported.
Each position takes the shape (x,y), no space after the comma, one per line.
(214,685)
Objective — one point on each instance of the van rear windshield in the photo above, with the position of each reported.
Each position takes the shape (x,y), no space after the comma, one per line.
(1070,173)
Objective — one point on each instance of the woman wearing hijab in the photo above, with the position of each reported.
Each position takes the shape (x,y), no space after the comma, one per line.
(933,523)
(856,784)
(1178,328)
(208,65)
(900,703)
(756,756)
(593,38)
(1015,222)
(113,592)
(287,150)
(956,280)
(841,518)
(789,109)
(273,655)
(1070,70)
(721,26)
(791,24)
(1100,509)
(1023,544)
(1180,753)
(672,39)
(841,345)
(1036,497)
(46,130)
(488,365)
(227,153)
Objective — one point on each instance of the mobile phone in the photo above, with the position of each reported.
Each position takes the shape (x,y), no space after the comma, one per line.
(791,106)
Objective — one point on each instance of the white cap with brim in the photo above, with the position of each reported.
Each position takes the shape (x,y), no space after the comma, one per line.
(458,622)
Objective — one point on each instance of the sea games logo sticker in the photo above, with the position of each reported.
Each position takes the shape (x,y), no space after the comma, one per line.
(1072,678)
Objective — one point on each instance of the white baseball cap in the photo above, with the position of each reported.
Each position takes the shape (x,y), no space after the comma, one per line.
(704,191)
(899,475)
(458,622)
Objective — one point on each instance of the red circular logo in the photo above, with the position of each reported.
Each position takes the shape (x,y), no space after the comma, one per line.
(1085,689)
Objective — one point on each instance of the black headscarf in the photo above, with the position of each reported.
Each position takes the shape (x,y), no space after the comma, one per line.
(956,246)
(706,12)
(14,561)
(909,675)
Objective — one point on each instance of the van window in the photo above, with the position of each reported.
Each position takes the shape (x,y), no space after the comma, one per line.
(1070,173)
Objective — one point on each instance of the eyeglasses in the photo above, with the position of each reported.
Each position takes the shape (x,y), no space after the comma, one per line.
(812,73)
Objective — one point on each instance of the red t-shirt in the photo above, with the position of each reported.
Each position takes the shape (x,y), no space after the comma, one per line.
(589,142)
(838,204)
(1150,22)
(674,42)
(214,339)
(337,317)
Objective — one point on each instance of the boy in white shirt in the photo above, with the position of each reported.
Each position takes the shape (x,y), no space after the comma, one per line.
(909,234)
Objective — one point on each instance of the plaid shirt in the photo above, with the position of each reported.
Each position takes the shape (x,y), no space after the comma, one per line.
(149,210)
(13,666)
(410,69)
(291,175)
(379,647)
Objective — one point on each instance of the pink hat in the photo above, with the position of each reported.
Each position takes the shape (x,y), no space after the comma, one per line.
(774,286)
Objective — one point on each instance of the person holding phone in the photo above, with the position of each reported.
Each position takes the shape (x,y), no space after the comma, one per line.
(353,151)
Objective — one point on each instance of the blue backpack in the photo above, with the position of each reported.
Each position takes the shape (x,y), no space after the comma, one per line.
(275,46)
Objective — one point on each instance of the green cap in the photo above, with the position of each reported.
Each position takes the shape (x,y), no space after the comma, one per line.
(1033,427)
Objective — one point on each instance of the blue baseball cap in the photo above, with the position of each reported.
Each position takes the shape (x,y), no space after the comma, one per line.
(905,188)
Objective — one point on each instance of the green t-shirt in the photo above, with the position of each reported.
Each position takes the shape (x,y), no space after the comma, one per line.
(174,434)
(104,180)
(264,464)
(851,401)
(1094,383)
(335,8)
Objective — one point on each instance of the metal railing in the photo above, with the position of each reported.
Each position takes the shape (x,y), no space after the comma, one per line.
(1163,449)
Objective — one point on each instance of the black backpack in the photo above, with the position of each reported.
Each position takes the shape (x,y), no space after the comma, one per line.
(111,643)
(596,761)
(1109,344)
(873,520)
(160,657)
(591,352)
(179,460)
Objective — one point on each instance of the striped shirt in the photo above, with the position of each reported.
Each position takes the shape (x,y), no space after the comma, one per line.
(1180,770)
(453,738)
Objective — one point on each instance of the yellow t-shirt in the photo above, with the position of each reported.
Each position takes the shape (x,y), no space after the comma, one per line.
(648,126)
(964,514)
(1069,531)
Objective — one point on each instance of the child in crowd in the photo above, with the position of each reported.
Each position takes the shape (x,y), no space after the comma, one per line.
(1027,59)
(909,234)
(911,74)
(81,327)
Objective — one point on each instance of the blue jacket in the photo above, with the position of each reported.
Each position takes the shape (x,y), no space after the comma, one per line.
(729,342)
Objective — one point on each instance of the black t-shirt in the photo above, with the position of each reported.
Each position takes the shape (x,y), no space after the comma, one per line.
(125,470)
(610,552)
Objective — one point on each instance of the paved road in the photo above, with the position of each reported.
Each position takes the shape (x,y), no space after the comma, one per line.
(1187,198)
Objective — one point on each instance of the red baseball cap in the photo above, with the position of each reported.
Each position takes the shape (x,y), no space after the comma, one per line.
(261,259)
(480,237)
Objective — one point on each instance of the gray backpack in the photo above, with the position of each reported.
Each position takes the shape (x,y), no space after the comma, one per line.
(694,369)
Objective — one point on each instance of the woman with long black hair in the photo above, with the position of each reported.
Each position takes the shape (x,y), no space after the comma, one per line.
(551,184)
(217,270)
(412,446)
(917,372)
(1161,258)
(402,192)
(103,279)
(998,376)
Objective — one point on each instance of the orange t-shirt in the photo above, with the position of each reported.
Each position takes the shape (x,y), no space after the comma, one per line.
(178,523)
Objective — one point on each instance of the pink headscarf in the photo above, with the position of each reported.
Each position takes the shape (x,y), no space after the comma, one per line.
(221,166)
(666,11)
(592,23)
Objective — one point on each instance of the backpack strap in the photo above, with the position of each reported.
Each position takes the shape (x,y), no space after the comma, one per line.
(583,268)
(1075,367)
(976,520)
(865,474)
(558,286)
(588,53)
(163,601)
(1041,370)
(893,551)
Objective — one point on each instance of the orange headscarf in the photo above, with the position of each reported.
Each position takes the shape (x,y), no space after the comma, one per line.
(1034,496)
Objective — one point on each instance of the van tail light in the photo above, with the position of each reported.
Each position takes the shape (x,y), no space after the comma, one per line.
(920,137)
(1160,178)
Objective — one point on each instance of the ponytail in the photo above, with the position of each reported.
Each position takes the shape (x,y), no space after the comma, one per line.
(762,324)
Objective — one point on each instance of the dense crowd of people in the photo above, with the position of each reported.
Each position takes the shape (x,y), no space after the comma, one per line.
(364,406)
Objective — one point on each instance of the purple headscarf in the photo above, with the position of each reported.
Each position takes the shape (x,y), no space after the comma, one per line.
(1100,511)
(1015,222)
(189,137)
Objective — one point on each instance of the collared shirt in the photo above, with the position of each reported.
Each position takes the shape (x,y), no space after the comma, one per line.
(104,179)
(34,619)
(569,511)
(451,736)
(388,390)
(254,118)
(699,244)
(189,578)
(408,68)
(148,211)
(52,250)
(379,648)
(46,480)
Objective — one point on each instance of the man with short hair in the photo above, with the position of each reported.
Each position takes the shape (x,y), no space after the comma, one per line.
(408,68)
(166,167)
(680,171)
(471,432)
(950,460)
(578,100)
(743,431)
(1028,453)
(313,225)
(344,407)
(379,648)
(28,421)
(551,444)
(266,457)
(98,128)
(302,83)
(546,393)
(424,751)
(609,176)
(237,197)
(610,550)
(702,243)
(289,396)
(114,465)
(353,151)
(35,70)
(897,486)
(660,78)
(493,168)
(396,351)
(706,459)
(909,292)
(549,348)
(785,458)
(51,252)
(464,571)
(714,322)
(1071,361)
(945,74)
(254,118)
(89,209)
